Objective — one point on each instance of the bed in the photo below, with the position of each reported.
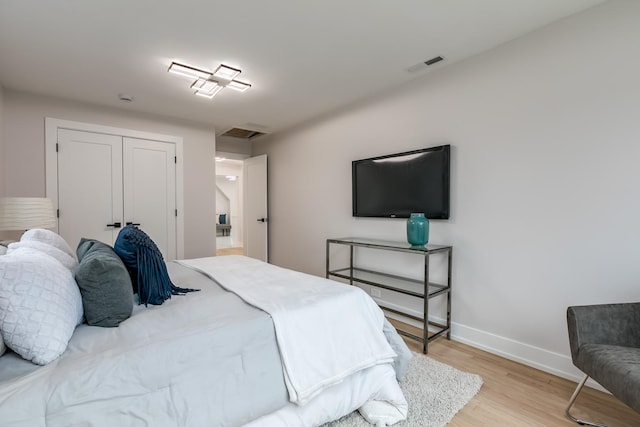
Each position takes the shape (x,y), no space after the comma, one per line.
(235,353)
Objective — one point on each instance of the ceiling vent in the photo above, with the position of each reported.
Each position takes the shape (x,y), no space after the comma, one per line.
(425,64)
(433,60)
(242,133)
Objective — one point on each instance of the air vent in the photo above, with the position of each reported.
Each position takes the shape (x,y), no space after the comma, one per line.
(242,133)
(423,65)
(433,60)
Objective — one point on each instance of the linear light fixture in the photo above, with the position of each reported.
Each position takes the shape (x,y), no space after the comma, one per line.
(238,85)
(226,73)
(208,84)
(208,94)
(187,71)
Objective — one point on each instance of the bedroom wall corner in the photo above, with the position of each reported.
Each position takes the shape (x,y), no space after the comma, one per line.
(2,166)
(544,164)
(24,153)
(3,234)
(229,144)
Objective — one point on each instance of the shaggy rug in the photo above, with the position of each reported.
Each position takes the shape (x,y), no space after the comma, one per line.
(435,392)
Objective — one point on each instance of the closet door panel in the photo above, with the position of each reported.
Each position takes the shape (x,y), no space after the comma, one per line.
(89,185)
(149,172)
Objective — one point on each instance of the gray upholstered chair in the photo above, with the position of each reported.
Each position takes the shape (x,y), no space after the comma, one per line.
(605,345)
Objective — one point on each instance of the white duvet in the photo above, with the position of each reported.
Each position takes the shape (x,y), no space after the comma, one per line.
(327,333)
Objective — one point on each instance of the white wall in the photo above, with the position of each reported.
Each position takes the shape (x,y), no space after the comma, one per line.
(2,167)
(24,155)
(3,234)
(228,144)
(545,206)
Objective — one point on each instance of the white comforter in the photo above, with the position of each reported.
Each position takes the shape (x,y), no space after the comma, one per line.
(326,331)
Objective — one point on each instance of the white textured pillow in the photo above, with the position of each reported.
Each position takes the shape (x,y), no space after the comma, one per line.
(40,305)
(3,347)
(50,237)
(3,250)
(67,260)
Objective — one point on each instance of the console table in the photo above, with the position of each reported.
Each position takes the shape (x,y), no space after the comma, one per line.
(224,228)
(397,283)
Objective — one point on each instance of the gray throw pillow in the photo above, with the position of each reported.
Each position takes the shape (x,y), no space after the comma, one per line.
(104,284)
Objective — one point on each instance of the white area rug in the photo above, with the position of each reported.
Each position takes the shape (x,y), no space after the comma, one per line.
(435,392)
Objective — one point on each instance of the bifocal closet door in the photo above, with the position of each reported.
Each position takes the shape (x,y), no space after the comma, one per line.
(89,186)
(150,190)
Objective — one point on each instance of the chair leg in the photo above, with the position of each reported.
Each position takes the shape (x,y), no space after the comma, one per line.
(571,402)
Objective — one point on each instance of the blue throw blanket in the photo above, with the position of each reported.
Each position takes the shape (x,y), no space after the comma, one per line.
(146,267)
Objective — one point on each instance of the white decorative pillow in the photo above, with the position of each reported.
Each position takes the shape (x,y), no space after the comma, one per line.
(50,237)
(65,259)
(3,348)
(40,305)
(4,244)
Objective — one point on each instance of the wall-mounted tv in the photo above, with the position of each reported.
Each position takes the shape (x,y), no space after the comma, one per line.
(396,185)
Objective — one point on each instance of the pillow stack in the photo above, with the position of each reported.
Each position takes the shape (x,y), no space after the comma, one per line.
(3,246)
(146,266)
(104,283)
(40,304)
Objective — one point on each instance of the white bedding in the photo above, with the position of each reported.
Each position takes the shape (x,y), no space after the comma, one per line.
(210,359)
(310,314)
(202,359)
(374,390)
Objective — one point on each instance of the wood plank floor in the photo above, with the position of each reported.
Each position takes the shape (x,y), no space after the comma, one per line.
(229,251)
(517,395)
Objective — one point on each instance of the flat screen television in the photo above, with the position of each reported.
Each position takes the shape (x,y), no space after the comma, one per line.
(396,185)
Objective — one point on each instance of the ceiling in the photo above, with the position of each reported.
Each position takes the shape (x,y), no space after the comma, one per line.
(303,58)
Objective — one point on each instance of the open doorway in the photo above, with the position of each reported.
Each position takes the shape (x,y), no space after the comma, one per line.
(229,219)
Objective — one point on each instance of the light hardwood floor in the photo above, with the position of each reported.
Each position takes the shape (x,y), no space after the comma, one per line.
(517,395)
(514,394)
(229,251)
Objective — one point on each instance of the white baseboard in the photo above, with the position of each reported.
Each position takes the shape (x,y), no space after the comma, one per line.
(539,358)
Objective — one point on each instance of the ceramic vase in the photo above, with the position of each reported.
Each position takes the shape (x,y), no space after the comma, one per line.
(417,229)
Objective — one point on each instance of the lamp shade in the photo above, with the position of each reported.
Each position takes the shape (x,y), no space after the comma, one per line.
(24,213)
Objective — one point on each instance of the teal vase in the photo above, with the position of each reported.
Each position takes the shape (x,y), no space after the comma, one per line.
(417,229)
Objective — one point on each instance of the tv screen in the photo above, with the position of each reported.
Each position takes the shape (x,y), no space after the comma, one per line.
(396,185)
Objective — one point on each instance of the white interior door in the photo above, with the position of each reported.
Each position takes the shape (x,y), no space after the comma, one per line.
(89,186)
(84,178)
(150,191)
(255,208)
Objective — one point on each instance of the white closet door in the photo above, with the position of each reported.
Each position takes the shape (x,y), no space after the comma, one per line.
(150,191)
(89,186)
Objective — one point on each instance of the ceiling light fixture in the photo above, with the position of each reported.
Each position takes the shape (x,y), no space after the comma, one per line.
(208,84)
(186,71)
(209,94)
(206,88)
(238,85)
(227,73)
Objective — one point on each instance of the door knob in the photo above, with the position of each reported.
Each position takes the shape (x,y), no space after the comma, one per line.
(263,219)
(133,223)
(115,225)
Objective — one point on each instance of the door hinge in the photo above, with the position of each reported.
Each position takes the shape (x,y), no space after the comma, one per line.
(56,147)
(175,159)
(57,213)
(176,212)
